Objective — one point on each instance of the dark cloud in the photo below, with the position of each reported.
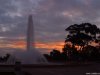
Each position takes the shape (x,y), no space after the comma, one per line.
(50,17)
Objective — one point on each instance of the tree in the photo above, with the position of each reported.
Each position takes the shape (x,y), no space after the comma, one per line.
(70,52)
(90,53)
(5,58)
(55,54)
(81,35)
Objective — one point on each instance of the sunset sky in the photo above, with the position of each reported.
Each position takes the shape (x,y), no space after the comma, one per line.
(50,17)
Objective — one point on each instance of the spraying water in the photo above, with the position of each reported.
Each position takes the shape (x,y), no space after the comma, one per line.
(31,55)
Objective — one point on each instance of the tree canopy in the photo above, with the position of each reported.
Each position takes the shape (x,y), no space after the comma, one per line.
(80,35)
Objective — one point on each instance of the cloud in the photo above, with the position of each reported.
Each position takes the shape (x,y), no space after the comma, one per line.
(7,46)
(51,18)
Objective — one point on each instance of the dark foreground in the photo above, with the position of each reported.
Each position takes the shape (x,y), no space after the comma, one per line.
(68,69)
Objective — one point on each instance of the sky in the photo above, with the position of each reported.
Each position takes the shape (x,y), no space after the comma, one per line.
(50,18)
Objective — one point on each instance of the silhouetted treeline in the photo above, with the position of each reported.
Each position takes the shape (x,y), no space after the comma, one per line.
(79,44)
(56,55)
(4,58)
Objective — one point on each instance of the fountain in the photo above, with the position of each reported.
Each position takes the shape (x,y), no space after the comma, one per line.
(31,55)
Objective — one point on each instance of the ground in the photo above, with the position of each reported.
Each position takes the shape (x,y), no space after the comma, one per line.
(79,69)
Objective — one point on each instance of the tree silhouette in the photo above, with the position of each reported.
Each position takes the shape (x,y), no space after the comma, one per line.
(5,58)
(90,53)
(82,35)
(55,54)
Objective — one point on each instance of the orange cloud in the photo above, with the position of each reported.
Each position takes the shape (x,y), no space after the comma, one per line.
(22,45)
(17,45)
(50,46)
